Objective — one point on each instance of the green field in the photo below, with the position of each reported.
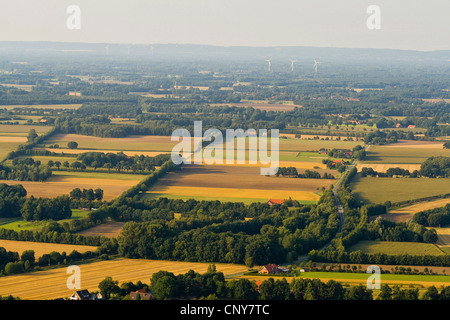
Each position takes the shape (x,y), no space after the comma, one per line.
(396,248)
(7,147)
(315,145)
(385,277)
(17,224)
(402,155)
(380,190)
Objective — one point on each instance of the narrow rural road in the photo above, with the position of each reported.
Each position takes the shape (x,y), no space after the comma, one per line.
(339,207)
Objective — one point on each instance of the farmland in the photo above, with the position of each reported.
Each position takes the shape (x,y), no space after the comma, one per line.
(228,183)
(161,144)
(404,153)
(396,248)
(351,279)
(380,190)
(42,248)
(51,284)
(109,229)
(62,182)
(406,213)
(11,136)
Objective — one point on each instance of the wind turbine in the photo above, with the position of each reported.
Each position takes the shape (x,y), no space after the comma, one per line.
(107,49)
(316,63)
(269,62)
(292,63)
(129,49)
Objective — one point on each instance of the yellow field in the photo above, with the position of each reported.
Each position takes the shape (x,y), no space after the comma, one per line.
(407,213)
(62,184)
(41,248)
(218,193)
(52,284)
(13,139)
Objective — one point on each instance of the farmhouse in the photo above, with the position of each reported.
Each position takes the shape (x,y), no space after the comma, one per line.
(82,295)
(272,269)
(141,295)
(271,202)
(398,125)
(411,126)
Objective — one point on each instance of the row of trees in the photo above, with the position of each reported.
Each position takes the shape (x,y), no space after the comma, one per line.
(25,172)
(212,285)
(434,217)
(307,174)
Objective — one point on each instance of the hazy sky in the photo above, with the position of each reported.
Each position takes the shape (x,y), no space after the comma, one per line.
(405,24)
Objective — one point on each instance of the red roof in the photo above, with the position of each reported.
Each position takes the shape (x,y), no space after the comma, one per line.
(271,268)
(276,201)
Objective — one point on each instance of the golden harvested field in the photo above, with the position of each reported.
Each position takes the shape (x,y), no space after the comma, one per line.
(382,167)
(11,136)
(109,230)
(13,139)
(63,182)
(235,182)
(52,284)
(130,143)
(41,248)
(407,213)
(416,144)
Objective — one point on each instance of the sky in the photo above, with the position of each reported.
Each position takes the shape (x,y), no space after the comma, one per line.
(404,24)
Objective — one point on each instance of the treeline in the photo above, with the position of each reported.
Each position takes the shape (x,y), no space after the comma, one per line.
(212,285)
(25,170)
(378,258)
(216,236)
(381,137)
(434,217)
(13,263)
(43,208)
(307,174)
(120,161)
(357,227)
(11,200)
(436,167)
(389,173)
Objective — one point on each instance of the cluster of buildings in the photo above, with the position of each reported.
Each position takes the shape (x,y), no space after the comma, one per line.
(86,295)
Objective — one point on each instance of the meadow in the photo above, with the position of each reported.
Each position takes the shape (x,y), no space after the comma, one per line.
(11,136)
(380,190)
(404,153)
(396,248)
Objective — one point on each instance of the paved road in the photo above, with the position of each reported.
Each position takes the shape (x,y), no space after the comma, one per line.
(339,207)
